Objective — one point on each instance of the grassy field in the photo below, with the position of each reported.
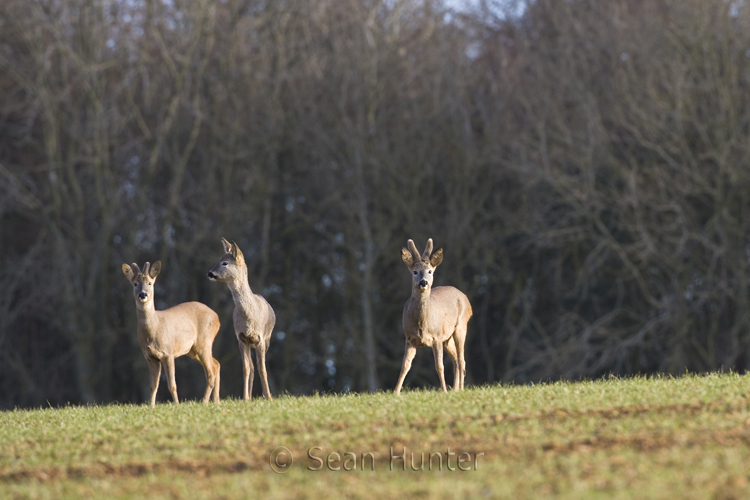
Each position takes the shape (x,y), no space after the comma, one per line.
(686,437)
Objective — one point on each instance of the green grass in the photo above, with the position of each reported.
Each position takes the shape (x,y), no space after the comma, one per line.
(686,437)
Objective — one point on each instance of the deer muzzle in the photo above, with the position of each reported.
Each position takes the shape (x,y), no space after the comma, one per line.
(211,275)
(142,296)
(423,284)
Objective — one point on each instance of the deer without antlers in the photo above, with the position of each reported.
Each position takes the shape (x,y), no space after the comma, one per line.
(253,316)
(433,317)
(188,328)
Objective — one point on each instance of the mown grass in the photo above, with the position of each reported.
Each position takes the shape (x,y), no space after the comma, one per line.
(686,437)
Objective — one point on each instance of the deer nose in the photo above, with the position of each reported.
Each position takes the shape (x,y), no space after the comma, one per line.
(423,283)
(211,275)
(142,295)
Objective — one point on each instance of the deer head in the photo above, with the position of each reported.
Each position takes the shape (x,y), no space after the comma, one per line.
(143,281)
(231,266)
(421,267)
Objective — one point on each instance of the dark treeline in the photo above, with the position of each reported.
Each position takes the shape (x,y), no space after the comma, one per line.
(586,167)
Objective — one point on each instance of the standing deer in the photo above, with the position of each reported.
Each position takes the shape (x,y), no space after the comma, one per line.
(433,317)
(253,316)
(189,328)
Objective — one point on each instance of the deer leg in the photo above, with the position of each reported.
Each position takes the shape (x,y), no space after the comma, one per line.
(248,370)
(168,363)
(204,355)
(411,351)
(437,350)
(154,368)
(217,371)
(450,347)
(211,368)
(460,338)
(461,360)
(260,357)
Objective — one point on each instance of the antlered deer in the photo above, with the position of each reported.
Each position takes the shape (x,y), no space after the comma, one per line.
(433,317)
(189,328)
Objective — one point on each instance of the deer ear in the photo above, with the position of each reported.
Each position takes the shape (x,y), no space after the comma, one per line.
(436,257)
(227,245)
(128,272)
(237,254)
(407,257)
(155,269)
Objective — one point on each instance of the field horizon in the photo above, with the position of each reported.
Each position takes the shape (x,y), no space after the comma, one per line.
(645,437)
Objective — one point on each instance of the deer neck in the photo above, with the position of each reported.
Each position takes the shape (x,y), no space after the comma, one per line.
(422,303)
(240,288)
(148,319)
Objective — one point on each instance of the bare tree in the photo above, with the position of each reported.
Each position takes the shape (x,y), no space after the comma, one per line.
(587,161)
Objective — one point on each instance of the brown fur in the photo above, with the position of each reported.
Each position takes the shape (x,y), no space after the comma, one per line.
(188,328)
(433,317)
(253,316)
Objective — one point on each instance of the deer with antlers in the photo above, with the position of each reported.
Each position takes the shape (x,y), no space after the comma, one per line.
(253,316)
(188,328)
(433,317)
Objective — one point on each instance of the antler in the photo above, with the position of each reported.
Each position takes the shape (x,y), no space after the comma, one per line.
(427,250)
(413,250)
(147,268)
(137,269)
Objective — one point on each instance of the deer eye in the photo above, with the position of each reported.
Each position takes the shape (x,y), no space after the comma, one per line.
(430,271)
(135,284)
(225,264)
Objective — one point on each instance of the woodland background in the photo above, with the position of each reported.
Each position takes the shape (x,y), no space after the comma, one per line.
(585,164)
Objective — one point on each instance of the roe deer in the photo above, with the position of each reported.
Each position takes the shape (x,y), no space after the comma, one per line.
(253,316)
(433,317)
(188,328)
